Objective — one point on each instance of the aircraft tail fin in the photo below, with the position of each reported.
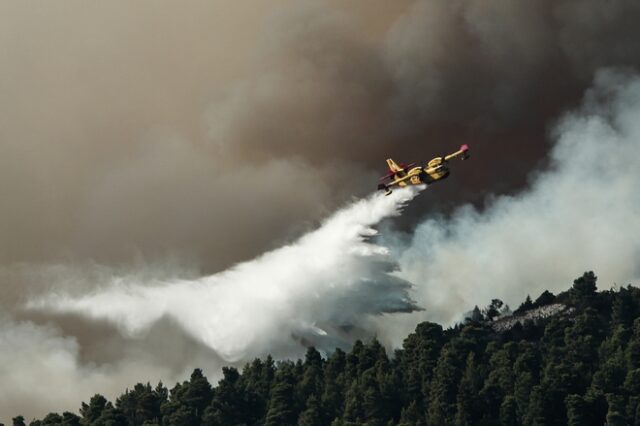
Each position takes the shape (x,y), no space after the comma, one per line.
(393,166)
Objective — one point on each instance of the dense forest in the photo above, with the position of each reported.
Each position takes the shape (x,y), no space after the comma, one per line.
(579,366)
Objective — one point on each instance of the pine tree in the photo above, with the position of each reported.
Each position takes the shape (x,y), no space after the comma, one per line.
(140,404)
(526,369)
(227,406)
(546,298)
(18,421)
(92,411)
(372,403)
(256,381)
(412,416)
(332,400)
(353,412)
(467,397)
(70,419)
(611,375)
(198,393)
(161,392)
(311,416)
(625,308)
(181,415)
(52,419)
(632,382)
(417,361)
(633,348)
(312,378)
(281,411)
(476,315)
(493,310)
(636,415)
(443,392)
(577,412)
(174,410)
(584,289)
(535,415)
(509,412)
(110,416)
(525,306)
(616,413)
(500,381)
(353,361)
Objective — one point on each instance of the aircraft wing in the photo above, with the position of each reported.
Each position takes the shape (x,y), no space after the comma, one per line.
(400,181)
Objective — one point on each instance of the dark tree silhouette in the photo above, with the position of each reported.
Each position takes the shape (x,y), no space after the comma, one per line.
(578,367)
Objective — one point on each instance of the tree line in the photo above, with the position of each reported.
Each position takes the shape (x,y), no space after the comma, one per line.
(581,368)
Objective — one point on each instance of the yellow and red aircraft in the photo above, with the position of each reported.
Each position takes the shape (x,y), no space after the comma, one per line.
(410,174)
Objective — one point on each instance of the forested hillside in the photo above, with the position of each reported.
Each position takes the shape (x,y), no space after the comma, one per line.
(579,366)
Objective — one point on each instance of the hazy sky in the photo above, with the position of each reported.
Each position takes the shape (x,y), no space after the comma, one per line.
(107,148)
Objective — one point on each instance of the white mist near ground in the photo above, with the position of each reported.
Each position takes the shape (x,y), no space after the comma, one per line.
(40,372)
(320,290)
(582,213)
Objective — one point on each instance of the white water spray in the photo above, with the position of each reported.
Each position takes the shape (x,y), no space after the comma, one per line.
(320,290)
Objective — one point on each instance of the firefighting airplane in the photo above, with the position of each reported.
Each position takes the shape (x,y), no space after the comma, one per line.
(403,175)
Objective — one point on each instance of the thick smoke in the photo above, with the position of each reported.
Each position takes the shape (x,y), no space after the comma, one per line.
(169,141)
(583,213)
(494,74)
(124,126)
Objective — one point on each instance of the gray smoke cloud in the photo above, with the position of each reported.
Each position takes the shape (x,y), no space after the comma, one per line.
(124,127)
(581,213)
(171,141)
(494,74)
